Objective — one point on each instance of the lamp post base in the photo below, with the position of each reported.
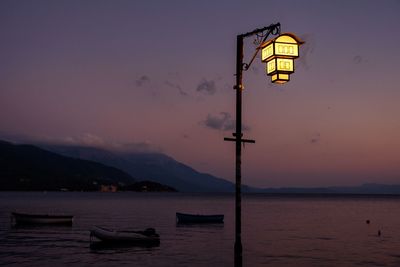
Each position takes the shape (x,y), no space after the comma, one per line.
(238,254)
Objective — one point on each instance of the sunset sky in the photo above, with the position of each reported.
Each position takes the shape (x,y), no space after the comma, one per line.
(158,76)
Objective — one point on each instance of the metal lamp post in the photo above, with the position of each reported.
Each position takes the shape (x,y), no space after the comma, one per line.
(278,55)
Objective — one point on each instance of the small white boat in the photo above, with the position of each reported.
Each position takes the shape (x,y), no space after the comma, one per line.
(148,236)
(37,219)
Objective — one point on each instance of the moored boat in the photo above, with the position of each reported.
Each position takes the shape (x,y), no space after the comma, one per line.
(198,218)
(146,237)
(39,219)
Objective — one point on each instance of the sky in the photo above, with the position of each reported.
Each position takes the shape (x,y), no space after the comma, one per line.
(152,75)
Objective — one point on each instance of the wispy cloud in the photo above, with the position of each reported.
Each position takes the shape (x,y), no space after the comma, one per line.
(174,81)
(255,70)
(223,122)
(207,86)
(176,86)
(87,140)
(359,59)
(23,138)
(142,81)
(315,139)
(93,140)
(307,49)
(143,147)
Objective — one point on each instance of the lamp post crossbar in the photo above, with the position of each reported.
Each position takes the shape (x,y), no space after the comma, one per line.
(242,140)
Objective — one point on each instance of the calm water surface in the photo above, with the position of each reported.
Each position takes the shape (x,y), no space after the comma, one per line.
(277,230)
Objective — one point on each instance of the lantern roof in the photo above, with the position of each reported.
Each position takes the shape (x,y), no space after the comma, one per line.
(287,37)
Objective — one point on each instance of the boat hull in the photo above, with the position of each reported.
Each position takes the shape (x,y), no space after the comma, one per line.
(41,219)
(124,237)
(197,218)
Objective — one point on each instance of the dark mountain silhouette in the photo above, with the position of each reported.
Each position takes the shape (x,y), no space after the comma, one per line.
(155,167)
(163,169)
(26,167)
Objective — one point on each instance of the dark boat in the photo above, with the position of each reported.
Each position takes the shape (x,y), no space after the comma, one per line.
(198,218)
(40,219)
(146,237)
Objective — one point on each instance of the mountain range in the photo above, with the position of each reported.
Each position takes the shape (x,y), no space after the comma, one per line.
(53,167)
(27,167)
(56,167)
(155,167)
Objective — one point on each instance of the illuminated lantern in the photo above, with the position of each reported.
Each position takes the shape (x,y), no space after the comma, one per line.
(279,54)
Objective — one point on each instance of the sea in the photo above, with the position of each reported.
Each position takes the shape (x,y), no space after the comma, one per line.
(277,230)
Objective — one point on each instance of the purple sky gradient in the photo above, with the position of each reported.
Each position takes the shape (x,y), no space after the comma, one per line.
(158,75)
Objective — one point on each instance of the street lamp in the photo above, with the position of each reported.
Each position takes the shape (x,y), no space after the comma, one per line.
(278,54)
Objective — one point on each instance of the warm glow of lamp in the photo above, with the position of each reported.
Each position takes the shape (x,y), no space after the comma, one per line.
(279,54)
(280,78)
(280,65)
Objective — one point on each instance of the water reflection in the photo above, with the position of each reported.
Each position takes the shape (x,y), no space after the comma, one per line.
(286,231)
(121,247)
(200,225)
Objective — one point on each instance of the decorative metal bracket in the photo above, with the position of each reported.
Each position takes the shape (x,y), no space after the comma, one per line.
(274,29)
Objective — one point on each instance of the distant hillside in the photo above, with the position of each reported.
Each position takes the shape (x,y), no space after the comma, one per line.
(155,167)
(146,186)
(368,189)
(26,167)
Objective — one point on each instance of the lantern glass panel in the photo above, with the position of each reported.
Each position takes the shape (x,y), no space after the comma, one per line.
(285,64)
(288,50)
(267,52)
(271,66)
(280,78)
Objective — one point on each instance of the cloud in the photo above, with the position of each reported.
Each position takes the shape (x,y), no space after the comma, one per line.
(176,86)
(142,81)
(222,122)
(175,81)
(92,140)
(142,147)
(358,59)
(86,139)
(255,70)
(307,49)
(315,139)
(207,87)
(96,141)
(23,138)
